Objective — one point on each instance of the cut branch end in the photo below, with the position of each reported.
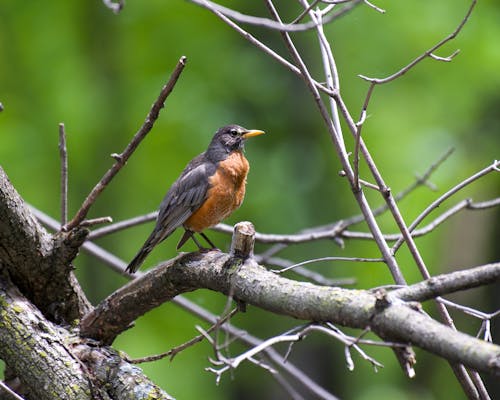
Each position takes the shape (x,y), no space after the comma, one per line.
(243,240)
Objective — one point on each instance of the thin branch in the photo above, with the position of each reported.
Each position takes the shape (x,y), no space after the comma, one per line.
(259,21)
(449,283)
(466,204)
(252,39)
(96,221)
(63,154)
(445,59)
(305,273)
(427,53)
(7,393)
(250,340)
(290,239)
(118,226)
(492,167)
(420,181)
(176,350)
(349,259)
(134,143)
(380,10)
(357,136)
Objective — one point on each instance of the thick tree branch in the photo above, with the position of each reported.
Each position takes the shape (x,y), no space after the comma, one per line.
(37,351)
(387,316)
(54,363)
(38,263)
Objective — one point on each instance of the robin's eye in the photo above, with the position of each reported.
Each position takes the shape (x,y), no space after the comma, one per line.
(233,132)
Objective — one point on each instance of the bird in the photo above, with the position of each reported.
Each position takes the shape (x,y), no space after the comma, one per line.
(208,190)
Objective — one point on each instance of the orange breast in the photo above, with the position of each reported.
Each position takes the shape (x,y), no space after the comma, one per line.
(226,193)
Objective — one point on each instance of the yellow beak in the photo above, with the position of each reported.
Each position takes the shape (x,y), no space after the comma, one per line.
(252,133)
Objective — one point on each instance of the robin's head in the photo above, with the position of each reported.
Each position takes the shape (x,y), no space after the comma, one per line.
(230,138)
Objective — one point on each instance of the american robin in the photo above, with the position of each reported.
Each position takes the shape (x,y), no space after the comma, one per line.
(209,189)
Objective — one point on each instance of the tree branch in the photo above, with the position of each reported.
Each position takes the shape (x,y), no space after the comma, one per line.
(449,283)
(389,318)
(38,263)
(36,350)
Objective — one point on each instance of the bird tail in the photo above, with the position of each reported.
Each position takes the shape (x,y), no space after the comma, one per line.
(156,237)
(139,258)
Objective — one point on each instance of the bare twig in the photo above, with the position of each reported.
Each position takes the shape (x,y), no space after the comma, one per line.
(427,53)
(252,39)
(357,136)
(7,393)
(380,10)
(63,154)
(465,204)
(485,329)
(492,167)
(118,226)
(136,140)
(176,350)
(349,259)
(445,59)
(449,283)
(263,22)
(96,221)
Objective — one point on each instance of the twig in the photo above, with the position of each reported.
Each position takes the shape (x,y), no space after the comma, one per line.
(96,221)
(357,136)
(466,204)
(331,74)
(7,393)
(176,350)
(423,180)
(63,154)
(329,233)
(450,283)
(252,39)
(291,337)
(349,342)
(445,59)
(136,140)
(380,10)
(306,273)
(350,259)
(118,226)
(427,53)
(449,193)
(486,318)
(259,21)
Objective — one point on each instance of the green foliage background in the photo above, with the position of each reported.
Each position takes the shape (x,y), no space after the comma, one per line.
(77,63)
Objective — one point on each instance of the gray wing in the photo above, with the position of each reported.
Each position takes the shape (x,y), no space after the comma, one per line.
(185,196)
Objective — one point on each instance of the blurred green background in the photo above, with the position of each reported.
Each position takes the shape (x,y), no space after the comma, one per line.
(77,63)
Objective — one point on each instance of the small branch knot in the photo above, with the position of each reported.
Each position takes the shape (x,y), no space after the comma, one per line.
(243,240)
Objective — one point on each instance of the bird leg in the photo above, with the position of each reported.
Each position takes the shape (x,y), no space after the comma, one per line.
(187,234)
(207,240)
(190,235)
